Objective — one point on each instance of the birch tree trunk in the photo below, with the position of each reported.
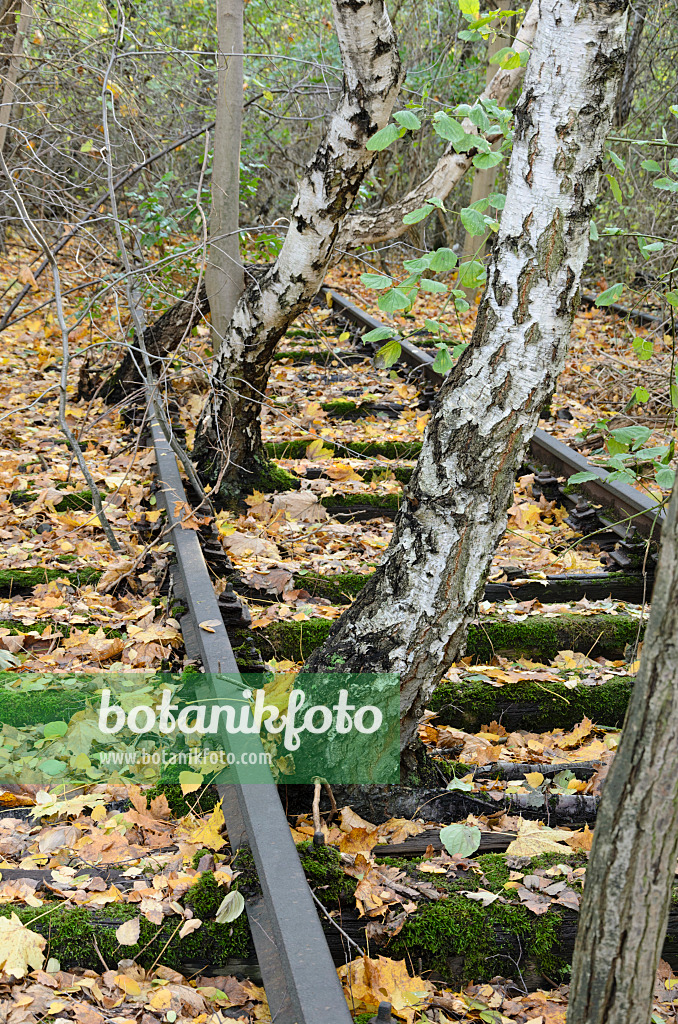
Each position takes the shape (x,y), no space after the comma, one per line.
(624,911)
(361,228)
(411,617)
(228,445)
(224,273)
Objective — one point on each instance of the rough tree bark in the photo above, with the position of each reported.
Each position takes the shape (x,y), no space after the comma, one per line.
(624,911)
(228,440)
(412,615)
(224,273)
(363,228)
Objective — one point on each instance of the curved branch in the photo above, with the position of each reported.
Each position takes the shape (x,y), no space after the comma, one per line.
(361,228)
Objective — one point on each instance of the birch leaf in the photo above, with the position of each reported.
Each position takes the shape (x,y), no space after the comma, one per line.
(128,932)
(230,908)
(461,839)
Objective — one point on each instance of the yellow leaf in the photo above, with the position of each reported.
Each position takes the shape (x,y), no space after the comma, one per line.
(129,986)
(368,982)
(207,832)
(534,839)
(534,779)
(190,781)
(20,948)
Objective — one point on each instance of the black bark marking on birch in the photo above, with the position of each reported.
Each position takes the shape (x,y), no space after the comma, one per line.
(551,246)
(526,279)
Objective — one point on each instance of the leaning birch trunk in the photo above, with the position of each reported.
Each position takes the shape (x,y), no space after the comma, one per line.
(412,615)
(624,912)
(363,228)
(224,274)
(228,439)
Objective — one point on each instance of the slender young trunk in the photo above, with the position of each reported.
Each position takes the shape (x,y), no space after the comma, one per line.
(228,440)
(483,181)
(362,228)
(627,86)
(411,617)
(12,73)
(224,274)
(624,912)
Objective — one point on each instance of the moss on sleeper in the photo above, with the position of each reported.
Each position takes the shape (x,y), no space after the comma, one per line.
(296,449)
(13,581)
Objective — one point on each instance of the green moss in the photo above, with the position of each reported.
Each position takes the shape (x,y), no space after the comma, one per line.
(605,635)
(339,589)
(348,501)
(531,705)
(205,896)
(325,874)
(293,641)
(81,500)
(369,449)
(22,709)
(13,581)
(204,799)
(72,933)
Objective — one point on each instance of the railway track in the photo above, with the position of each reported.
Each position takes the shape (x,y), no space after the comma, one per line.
(619,517)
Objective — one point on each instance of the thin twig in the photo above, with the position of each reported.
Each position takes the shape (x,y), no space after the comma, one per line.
(63,383)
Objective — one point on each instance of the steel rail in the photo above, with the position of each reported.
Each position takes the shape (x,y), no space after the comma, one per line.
(543,446)
(300,978)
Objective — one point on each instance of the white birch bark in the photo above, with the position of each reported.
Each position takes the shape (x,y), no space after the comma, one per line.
(362,228)
(228,442)
(411,617)
(224,274)
(624,912)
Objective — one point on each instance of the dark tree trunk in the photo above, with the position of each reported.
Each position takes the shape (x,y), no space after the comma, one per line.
(411,617)
(162,338)
(627,85)
(631,868)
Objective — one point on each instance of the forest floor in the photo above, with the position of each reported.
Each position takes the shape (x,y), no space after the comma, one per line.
(72,609)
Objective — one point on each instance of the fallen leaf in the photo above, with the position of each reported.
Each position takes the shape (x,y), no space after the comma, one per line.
(128,932)
(20,948)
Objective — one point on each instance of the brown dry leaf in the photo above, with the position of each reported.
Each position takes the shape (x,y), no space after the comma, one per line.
(358,840)
(581,840)
(369,982)
(20,948)
(576,737)
(300,505)
(240,544)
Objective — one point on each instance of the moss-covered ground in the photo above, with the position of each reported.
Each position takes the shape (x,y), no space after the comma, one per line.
(13,581)
(369,449)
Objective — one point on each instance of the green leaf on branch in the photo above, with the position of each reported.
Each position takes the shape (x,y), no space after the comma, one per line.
(483,161)
(388,354)
(378,334)
(393,300)
(497,200)
(435,326)
(428,285)
(651,165)
(470,9)
(443,360)
(610,295)
(665,477)
(406,119)
(471,274)
(443,261)
(507,58)
(617,161)
(644,348)
(461,839)
(666,185)
(672,298)
(419,265)
(614,185)
(479,118)
(581,478)
(384,138)
(640,394)
(473,221)
(593,231)
(376,281)
(416,215)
